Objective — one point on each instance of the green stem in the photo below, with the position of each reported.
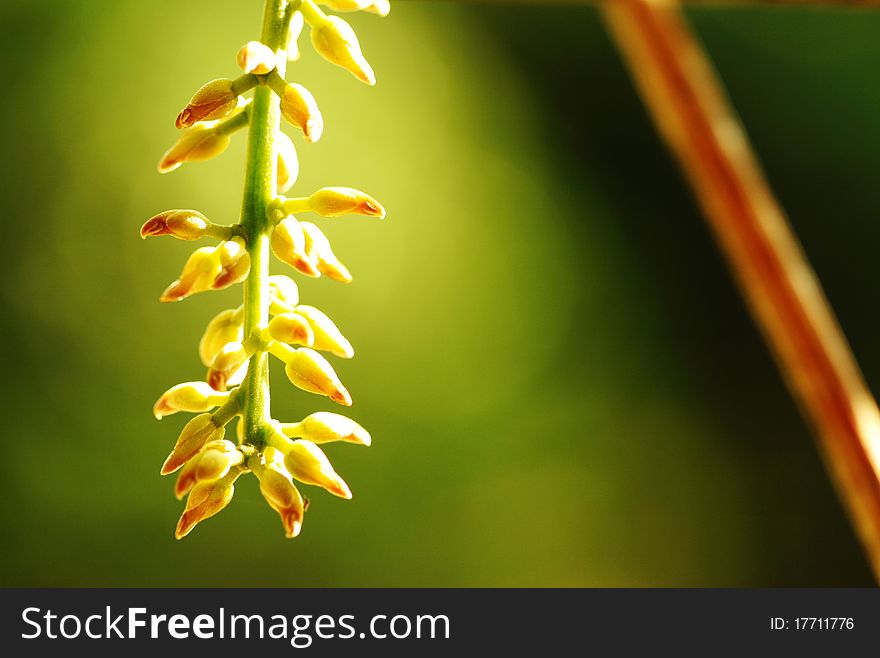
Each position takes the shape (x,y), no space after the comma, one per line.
(260,188)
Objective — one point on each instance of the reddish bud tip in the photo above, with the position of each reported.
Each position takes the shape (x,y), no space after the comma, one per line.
(340,488)
(184,119)
(155,226)
(342,396)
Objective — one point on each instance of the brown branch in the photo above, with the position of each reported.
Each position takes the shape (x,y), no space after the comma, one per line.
(688,104)
(700,3)
(778,3)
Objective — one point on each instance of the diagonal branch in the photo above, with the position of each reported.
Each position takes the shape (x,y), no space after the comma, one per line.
(687,102)
(704,3)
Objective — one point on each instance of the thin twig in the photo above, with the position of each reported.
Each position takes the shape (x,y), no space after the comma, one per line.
(688,104)
(700,3)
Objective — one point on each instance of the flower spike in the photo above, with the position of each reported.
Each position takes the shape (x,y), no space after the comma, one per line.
(235,343)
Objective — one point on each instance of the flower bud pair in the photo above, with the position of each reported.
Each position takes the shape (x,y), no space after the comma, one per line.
(199,272)
(213,462)
(319,251)
(235,263)
(281,494)
(288,242)
(205,500)
(195,434)
(291,328)
(327,336)
(284,293)
(229,366)
(326,427)
(210,268)
(225,327)
(194,397)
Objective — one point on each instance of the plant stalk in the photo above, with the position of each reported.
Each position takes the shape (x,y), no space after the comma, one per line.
(840,4)
(688,104)
(260,188)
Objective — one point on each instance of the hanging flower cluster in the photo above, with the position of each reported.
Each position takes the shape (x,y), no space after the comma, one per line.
(272,320)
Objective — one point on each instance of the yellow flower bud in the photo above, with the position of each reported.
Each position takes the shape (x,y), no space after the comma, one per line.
(281,494)
(284,292)
(186,478)
(216,459)
(205,500)
(318,250)
(308,370)
(307,463)
(347,5)
(238,376)
(198,274)
(194,397)
(325,427)
(327,335)
(288,243)
(196,144)
(380,7)
(335,41)
(291,328)
(297,23)
(227,363)
(235,263)
(214,100)
(300,108)
(195,434)
(225,327)
(182,224)
(213,462)
(335,201)
(288,163)
(255,57)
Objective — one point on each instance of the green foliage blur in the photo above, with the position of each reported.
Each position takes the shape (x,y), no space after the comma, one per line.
(563,386)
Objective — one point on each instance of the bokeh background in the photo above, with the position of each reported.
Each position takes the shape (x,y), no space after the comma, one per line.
(563,386)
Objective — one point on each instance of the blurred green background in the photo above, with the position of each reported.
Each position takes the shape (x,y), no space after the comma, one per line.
(562,384)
